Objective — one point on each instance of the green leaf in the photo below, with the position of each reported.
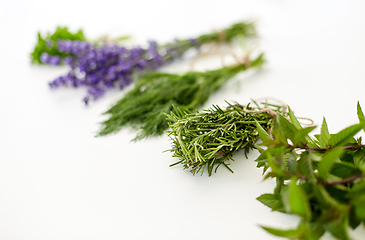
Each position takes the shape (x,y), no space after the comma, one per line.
(344,136)
(305,166)
(302,135)
(314,230)
(360,210)
(278,133)
(324,198)
(277,151)
(347,157)
(359,160)
(344,170)
(325,135)
(298,200)
(317,136)
(357,189)
(297,125)
(294,120)
(288,128)
(360,114)
(305,230)
(292,163)
(291,234)
(354,221)
(338,192)
(274,166)
(327,161)
(263,134)
(267,199)
(338,230)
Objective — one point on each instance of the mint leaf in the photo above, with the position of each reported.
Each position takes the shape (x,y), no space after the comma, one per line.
(298,200)
(302,135)
(360,114)
(291,234)
(262,133)
(294,120)
(305,167)
(344,136)
(325,135)
(344,170)
(267,199)
(327,161)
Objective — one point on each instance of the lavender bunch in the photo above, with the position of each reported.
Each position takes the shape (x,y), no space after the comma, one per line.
(101,67)
(48,44)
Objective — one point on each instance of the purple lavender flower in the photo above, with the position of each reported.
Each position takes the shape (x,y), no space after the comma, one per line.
(53,60)
(75,47)
(100,68)
(44,57)
(69,61)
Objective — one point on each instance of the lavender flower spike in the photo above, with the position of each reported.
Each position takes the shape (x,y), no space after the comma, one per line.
(52,60)
(103,68)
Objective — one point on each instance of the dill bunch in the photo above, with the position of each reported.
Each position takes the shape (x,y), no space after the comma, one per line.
(208,139)
(155,94)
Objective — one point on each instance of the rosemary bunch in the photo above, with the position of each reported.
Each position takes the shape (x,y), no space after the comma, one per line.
(321,179)
(156,93)
(207,139)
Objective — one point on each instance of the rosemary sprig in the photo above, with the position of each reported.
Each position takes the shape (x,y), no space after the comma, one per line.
(156,93)
(208,139)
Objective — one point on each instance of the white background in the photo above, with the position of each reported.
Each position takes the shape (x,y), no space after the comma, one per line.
(58,182)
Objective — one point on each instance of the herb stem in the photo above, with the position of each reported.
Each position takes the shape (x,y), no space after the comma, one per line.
(350,147)
(346,180)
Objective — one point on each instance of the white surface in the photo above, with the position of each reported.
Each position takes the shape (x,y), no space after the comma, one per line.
(59,182)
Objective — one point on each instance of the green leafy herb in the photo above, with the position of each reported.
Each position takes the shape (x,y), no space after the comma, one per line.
(321,182)
(48,43)
(155,94)
(207,140)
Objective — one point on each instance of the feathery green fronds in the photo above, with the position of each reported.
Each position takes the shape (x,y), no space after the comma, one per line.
(155,94)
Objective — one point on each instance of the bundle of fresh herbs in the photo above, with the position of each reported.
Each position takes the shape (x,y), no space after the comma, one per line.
(155,95)
(208,139)
(321,179)
(103,65)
